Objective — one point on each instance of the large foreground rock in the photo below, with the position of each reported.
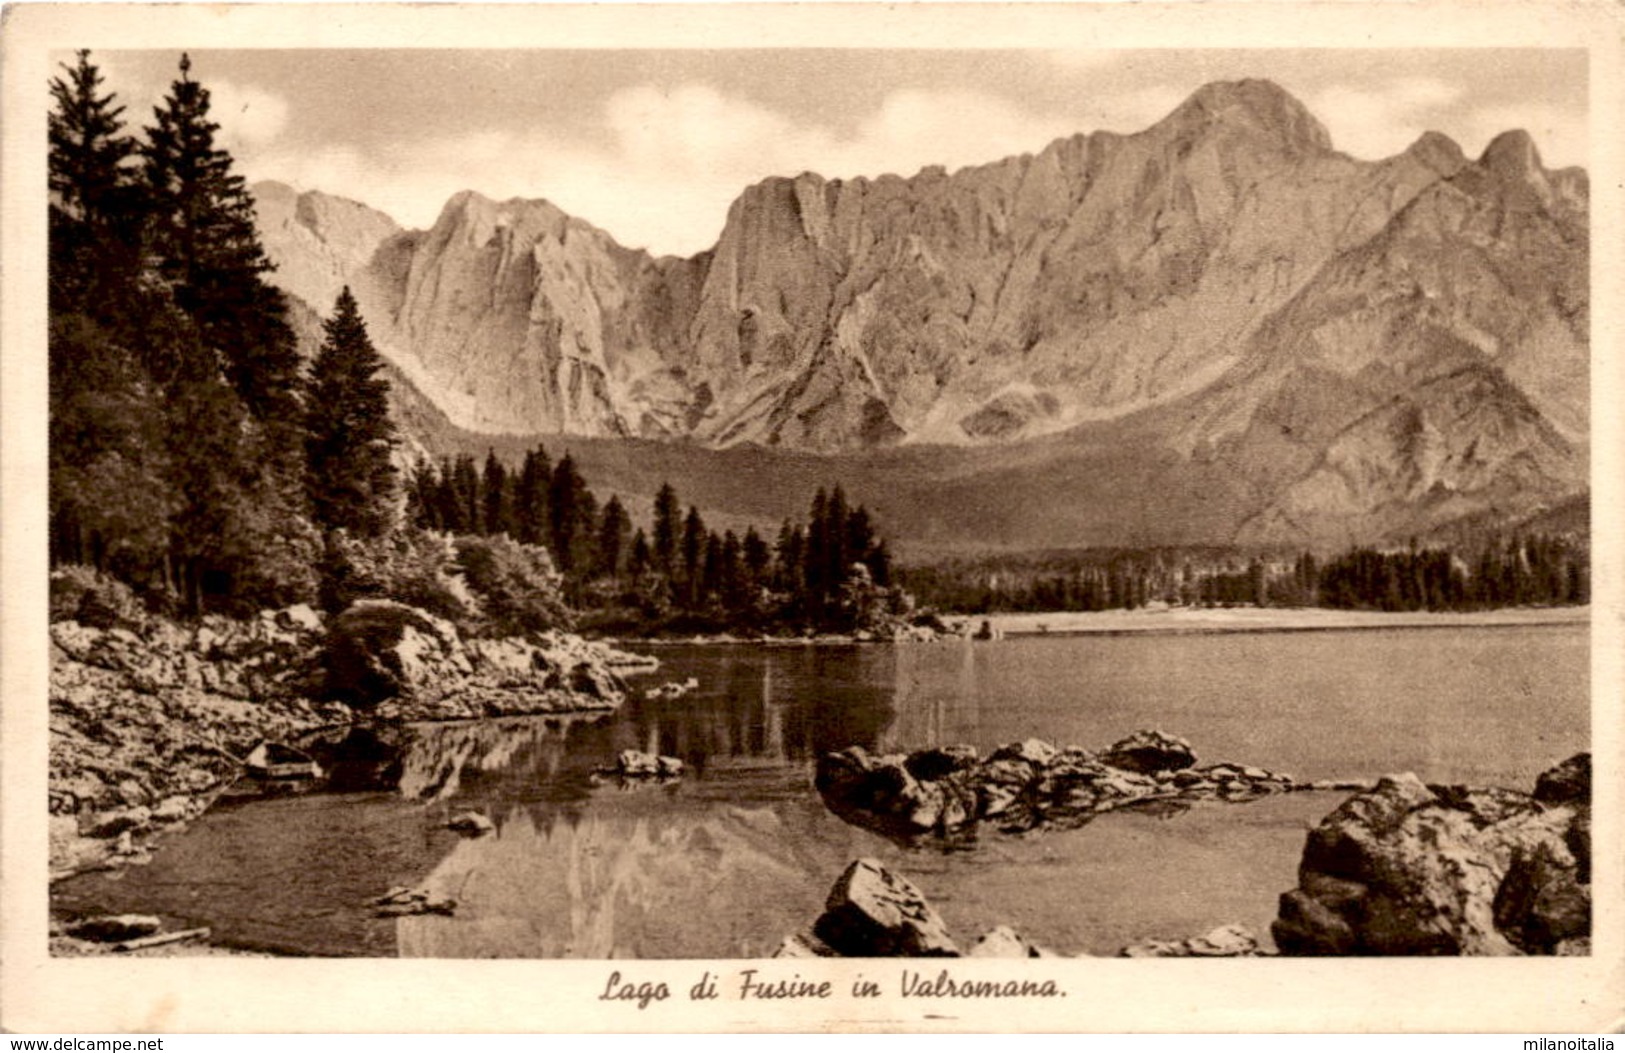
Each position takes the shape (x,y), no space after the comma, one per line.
(948,792)
(873,912)
(1409,869)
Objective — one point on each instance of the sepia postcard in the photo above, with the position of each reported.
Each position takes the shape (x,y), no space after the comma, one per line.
(812,517)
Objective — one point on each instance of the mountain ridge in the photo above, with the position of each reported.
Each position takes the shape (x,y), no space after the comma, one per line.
(1216,274)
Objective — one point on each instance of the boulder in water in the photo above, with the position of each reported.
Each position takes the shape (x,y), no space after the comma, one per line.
(471,824)
(872,912)
(1408,869)
(379,649)
(1149,751)
(947,791)
(1004,942)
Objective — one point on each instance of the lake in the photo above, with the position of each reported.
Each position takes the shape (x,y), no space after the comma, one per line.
(740,852)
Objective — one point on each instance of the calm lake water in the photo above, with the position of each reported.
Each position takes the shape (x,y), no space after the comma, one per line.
(740,852)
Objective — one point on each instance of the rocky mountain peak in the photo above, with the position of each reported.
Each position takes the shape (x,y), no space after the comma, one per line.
(1260,107)
(1513,156)
(319,242)
(269,191)
(1512,162)
(1438,152)
(479,218)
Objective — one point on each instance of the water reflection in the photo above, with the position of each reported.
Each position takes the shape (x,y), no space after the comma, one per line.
(755,708)
(740,851)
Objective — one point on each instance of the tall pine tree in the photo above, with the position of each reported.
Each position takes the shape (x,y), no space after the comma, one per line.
(350,476)
(110,498)
(530,507)
(667,530)
(203,234)
(613,530)
(95,218)
(498,497)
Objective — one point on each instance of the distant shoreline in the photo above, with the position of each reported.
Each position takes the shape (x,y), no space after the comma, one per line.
(1167,621)
(1198,620)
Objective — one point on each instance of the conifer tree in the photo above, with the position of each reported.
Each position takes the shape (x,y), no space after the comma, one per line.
(642,559)
(815,556)
(530,509)
(836,560)
(465,494)
(422,496)
(95,220)
(729,578)
(756,559)
(109,494)
(711,570)
(350,477)
(498,500)
(612,534)
(87,177)
(789,558)
(693,555)
(667,528)
(203,233)
(880,564)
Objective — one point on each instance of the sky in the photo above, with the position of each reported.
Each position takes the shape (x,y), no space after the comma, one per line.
(653,145)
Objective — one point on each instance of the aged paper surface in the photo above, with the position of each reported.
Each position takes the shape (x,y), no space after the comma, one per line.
(42,994)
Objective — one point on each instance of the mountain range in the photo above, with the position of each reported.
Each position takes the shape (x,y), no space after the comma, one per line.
(1216,330)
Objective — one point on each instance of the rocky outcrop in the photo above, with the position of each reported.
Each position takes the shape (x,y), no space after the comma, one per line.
(636,764)
(949,792)
(400,663)
(1413,869)
(471,824)
(113,928)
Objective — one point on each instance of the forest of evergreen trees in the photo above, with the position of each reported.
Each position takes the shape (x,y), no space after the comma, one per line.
(1520,571)
(829,573)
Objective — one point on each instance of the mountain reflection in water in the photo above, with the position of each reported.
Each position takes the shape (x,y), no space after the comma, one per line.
(740,851)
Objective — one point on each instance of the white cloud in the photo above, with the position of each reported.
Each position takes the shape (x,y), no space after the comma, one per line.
(1131,111)
(1373,123)
(250,118)
(1559,134)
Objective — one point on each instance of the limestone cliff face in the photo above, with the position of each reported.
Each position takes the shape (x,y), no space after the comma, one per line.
(1458,340)
(317,241)
(1324,327)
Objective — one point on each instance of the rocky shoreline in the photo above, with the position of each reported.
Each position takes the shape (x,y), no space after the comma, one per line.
(1399,868)
(151,720)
